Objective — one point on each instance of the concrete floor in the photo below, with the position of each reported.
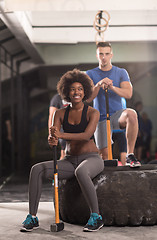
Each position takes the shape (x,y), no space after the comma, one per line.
(14,208)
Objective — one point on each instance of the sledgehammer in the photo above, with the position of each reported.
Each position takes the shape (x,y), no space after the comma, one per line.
(57,226)
(111,161)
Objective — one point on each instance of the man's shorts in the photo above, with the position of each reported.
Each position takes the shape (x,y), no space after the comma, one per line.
(101,130)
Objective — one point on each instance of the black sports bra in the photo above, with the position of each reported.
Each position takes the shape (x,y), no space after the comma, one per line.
(75,128)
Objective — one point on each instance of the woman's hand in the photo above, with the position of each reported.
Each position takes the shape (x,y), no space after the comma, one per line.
(55,132)
(53,141)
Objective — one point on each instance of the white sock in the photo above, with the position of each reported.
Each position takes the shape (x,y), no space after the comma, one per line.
(129,154)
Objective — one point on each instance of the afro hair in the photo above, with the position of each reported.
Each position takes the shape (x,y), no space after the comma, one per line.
(63,86)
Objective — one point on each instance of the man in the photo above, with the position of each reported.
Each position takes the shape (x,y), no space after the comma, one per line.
(118,83)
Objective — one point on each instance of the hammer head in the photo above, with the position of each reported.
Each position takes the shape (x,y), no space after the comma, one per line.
(111,163)
(57,227)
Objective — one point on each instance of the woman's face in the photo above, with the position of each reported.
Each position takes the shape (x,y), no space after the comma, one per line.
(76,92)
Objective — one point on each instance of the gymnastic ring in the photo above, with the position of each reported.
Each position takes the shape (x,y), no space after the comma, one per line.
(96,24)
(104,11)
(100,30)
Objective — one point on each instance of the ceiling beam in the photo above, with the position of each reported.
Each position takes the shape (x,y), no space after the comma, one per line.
(13,24)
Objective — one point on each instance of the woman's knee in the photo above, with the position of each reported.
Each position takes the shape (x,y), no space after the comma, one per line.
(36,169)
(80,171)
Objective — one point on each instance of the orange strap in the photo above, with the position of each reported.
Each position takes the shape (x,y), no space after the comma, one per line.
(56,198)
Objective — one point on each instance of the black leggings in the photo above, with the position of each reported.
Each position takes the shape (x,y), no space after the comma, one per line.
(85,167)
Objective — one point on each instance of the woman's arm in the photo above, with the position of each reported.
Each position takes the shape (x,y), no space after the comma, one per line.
(53,140)
(86,135)
(51,112)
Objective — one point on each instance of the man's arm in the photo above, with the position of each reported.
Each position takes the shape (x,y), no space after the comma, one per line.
(96,89)
(125,90)
(104,83)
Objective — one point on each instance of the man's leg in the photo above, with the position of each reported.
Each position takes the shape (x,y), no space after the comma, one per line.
(122,146)
(101,139)
(129,120)
(104,153)
(123,158)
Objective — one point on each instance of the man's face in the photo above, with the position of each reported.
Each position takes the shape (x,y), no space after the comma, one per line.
(104,56)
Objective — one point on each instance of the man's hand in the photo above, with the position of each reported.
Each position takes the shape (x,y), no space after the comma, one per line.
(105,83)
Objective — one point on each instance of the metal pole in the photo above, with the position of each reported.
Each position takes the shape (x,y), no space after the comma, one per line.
(12,118)
(19,118)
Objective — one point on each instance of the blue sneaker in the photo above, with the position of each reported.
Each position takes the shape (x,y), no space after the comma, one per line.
(30,223)
(94,223)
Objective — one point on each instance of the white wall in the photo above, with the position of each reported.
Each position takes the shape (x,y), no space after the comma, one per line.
(64,54)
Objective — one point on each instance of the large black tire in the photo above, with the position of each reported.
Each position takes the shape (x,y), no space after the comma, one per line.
(126,197)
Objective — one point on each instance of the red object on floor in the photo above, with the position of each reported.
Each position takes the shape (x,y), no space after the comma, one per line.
(148,155)
(119,163)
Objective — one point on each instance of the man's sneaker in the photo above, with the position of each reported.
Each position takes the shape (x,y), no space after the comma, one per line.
(94,223)
(30,223)
(132,161)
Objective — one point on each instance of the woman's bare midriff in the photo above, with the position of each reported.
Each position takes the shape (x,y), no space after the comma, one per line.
(80,147)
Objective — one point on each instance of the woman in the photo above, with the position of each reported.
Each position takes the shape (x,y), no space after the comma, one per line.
(82,160)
